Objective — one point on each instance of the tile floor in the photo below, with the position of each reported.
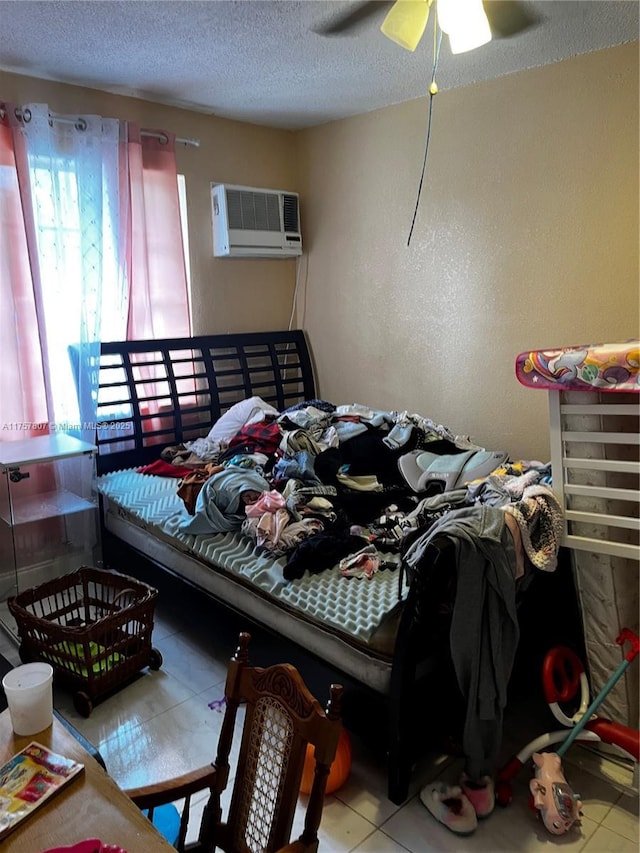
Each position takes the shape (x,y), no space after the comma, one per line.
(161,725)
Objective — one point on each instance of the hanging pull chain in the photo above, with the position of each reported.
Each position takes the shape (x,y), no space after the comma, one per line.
(433,91)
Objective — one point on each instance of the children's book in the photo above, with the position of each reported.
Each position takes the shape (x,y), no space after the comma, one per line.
(29,779)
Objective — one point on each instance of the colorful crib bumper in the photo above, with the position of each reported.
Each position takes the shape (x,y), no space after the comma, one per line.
(594,367)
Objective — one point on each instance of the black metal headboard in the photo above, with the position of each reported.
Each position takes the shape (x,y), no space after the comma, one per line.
(154,394)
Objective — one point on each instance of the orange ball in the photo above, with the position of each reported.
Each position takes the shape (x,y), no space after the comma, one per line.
(340,768)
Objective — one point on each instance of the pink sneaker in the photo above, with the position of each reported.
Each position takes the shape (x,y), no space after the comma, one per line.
(450,807)
(481,794)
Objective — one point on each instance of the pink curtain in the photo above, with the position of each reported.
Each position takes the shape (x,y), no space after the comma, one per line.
(156,273)
(158,290)
(24,410)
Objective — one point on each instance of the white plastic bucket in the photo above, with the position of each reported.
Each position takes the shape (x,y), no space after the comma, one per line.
(29,692)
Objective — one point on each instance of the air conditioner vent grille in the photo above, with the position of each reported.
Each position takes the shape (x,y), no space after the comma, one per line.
(251,211)
(290,213)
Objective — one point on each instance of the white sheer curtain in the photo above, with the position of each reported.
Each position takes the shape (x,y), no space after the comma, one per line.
(73,172)
(93,251)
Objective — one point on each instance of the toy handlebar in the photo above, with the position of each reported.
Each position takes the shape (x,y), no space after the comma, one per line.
(628,635)
(625,635)
(561,671)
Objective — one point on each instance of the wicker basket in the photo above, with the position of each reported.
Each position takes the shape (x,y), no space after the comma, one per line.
(94,627)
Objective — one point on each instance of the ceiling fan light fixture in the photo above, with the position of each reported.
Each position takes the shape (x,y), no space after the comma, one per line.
(465,22)
(406,22)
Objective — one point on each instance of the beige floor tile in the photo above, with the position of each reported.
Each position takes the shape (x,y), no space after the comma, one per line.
(164,626)
(378,842)
(9,629)
(341,829)
(623,818)
(365,791)
(186,660)
(616,772)
(181,739)
(414,828)
(606,841)
(150,694)
(8,649)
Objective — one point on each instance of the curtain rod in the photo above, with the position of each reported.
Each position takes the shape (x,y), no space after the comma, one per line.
(81,124)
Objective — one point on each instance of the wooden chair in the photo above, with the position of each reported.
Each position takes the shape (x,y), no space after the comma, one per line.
(281,718)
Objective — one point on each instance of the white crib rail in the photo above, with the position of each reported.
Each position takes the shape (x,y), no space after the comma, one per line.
(591,476)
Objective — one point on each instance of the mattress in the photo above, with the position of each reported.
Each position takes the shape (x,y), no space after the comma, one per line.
(357,608)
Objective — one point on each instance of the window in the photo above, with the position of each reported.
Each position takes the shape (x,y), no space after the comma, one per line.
(84,294)
(81,282)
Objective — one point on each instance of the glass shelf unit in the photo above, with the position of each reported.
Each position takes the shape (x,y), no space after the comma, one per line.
(46,505)
(48,513)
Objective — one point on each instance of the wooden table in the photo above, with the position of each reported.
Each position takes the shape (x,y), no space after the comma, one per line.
(91,806)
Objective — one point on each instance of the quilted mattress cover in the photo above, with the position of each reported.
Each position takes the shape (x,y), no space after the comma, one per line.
(351,606)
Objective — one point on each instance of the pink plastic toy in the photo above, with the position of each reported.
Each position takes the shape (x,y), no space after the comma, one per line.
(559,807)
(565,682)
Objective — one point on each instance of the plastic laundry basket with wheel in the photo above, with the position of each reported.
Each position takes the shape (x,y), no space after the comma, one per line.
(93,626)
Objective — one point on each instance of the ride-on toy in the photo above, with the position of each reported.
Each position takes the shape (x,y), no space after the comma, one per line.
(562,676)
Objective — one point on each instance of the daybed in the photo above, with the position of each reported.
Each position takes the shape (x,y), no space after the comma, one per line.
(388,632)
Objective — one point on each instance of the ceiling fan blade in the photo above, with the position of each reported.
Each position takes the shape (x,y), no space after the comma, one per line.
(353,19)
(506,17)
(509,17)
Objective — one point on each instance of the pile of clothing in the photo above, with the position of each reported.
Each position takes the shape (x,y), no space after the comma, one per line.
(318,483)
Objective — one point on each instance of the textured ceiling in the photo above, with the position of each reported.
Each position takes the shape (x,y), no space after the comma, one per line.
(261,62)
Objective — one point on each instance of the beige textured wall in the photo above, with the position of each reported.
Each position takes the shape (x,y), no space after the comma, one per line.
(526,237)
(228,295)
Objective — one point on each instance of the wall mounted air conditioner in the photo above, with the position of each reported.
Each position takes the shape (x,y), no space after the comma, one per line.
(254,223)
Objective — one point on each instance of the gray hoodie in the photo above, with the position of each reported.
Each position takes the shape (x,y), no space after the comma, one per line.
(484,627)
